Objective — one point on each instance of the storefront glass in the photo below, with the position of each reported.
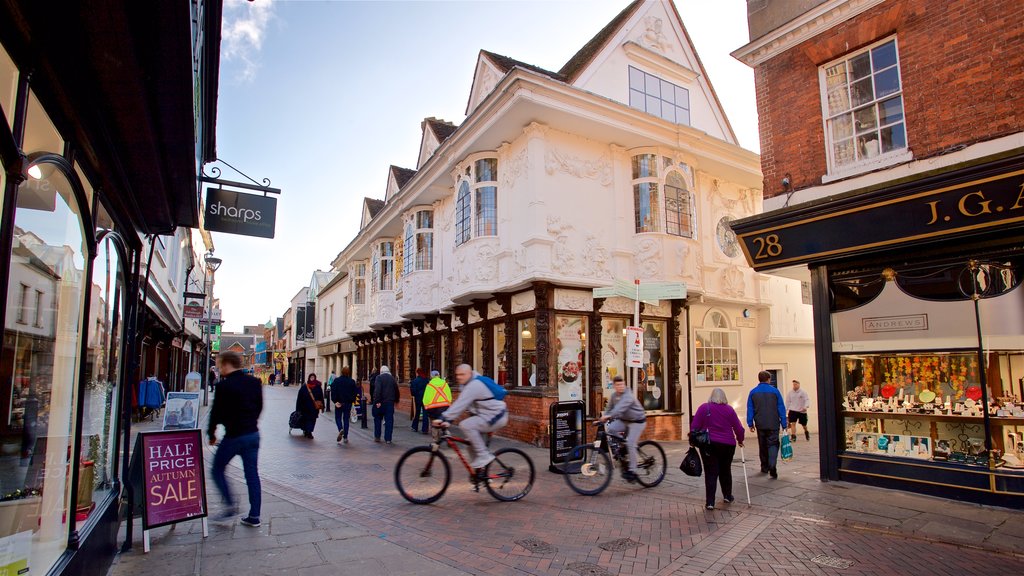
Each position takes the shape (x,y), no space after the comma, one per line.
(528,352)
(613,359)
(102,365)
(478,352)
(716,350)
(8,87)
(39,368)
(651,387)
(922,390)
(500,363)
(571,356)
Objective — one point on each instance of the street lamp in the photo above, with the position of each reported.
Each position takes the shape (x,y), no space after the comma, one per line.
(212,264)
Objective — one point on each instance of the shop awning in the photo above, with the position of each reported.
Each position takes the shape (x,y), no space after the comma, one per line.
(984,199)
(117,79)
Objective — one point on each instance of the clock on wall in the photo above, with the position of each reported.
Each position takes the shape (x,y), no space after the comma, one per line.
(727,238)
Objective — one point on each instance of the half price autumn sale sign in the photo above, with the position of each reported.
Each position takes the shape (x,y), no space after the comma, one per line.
(175,485)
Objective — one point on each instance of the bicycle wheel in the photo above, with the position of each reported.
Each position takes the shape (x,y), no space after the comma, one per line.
(651,464)
(509,475)
(422,475)
(589,471)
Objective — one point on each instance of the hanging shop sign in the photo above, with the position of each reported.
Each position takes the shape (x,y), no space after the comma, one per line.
(942,206)
(240,213)
(568,430)
(194,310)
(634,347)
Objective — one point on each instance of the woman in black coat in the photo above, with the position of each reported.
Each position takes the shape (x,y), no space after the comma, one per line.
(309,403)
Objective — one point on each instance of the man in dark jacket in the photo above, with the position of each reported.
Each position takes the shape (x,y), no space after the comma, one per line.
(344,392)
(237,406)
(767,411)
(416,389)
(385,396)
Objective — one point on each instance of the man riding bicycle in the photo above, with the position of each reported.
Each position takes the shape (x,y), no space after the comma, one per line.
(626,417)
(489,413)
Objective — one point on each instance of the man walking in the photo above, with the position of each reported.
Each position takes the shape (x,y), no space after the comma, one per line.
(344,392)
(766,411)
(237,406)
(416,389)
(385,396)
(327,391)
(437,396)
(798,403)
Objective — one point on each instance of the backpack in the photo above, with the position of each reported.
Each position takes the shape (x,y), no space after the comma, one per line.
(497,392)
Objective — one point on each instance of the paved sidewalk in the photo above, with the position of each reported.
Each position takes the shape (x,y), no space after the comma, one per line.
(332,507)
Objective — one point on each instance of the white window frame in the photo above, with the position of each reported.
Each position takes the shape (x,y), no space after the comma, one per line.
(413,257)
(359,283)
(661,86)
(468,176)
(661,176)
(708,328)
(883,160)
(383,274)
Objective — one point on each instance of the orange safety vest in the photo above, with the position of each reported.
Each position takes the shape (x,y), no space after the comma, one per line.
(437,394)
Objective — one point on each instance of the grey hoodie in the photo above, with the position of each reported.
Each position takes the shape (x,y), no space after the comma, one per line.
(625,407)
(477,398)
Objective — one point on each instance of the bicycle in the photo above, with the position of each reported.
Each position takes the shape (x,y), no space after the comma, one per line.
(589,469)
(423,474)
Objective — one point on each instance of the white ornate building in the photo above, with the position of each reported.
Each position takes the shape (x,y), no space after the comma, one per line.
(621,165)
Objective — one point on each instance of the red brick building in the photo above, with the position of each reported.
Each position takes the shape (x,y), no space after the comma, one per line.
(892,148)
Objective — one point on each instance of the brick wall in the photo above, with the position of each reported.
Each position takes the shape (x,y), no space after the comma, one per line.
(528,419)
(962,66)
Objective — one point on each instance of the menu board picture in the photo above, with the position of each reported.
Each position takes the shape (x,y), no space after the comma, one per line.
(568,430)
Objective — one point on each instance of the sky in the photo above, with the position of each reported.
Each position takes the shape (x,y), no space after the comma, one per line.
(322,96)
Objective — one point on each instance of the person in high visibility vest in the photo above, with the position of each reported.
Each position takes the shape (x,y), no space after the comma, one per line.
(437,396)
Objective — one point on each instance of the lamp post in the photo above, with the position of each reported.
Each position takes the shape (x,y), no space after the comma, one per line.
(212,264)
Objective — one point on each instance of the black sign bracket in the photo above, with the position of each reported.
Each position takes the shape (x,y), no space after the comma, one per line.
(214,178)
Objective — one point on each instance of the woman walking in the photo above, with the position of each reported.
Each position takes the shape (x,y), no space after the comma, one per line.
(725,432)
(309,403)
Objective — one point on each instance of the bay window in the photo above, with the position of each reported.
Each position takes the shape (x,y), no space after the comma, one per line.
(476,204)
(661,187)
(359,283)
(419,242)
(384,266)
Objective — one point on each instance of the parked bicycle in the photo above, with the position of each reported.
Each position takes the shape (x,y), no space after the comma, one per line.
(423,474)
(590,467)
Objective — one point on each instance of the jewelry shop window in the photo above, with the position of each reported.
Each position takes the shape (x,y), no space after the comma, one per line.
(39,367)
(716,349)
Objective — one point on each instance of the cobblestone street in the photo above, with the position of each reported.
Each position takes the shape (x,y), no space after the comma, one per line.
(334,509)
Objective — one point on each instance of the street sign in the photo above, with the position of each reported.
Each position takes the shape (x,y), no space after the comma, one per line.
(634,347)
(662,291)
(214,322)
(194,310)
(606,292)
(238,213)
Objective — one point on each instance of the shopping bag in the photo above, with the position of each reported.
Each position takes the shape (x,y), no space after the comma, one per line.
(691,464)
(786,449)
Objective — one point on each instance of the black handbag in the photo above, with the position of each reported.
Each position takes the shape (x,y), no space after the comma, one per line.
(701,438)
(295,420)
(691,464)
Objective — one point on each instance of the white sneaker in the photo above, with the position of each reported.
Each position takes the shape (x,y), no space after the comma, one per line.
(482,462)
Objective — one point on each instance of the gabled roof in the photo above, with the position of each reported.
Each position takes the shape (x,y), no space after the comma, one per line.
(505,64)
(402,175)
(374,206)
(442,129)
(579,61)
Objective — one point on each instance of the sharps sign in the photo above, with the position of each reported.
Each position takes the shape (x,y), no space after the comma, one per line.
(237,213)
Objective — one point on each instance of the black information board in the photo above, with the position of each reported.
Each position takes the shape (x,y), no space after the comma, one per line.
(568,429)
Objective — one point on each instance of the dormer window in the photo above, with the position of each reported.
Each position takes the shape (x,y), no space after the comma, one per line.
(419,242)
(476,204)
(659,97)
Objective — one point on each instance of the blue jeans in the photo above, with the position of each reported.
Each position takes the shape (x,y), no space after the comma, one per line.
(420,413)
(248,447)
(386,412)
(341,418)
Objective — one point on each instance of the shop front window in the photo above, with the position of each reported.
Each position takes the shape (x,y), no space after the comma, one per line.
(651,389)
(103,364)
(500,361)
(528,352)
(716,349)
(613,357)
(571,356)
(39,370)
(478,352)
